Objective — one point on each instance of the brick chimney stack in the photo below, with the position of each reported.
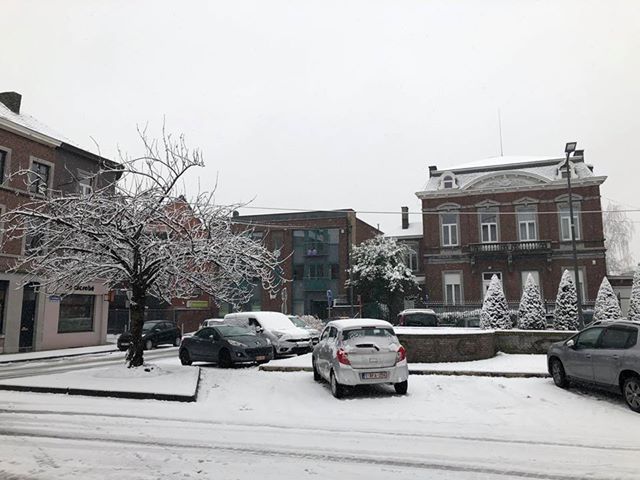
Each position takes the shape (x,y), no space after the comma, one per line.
(12,100)
(405,217)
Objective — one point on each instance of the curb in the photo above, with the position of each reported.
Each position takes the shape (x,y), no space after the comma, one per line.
(105,393)
(267,368)
(54,357)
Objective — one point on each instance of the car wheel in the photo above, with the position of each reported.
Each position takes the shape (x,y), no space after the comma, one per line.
(401,387)
(316,374)
(224,359)
(148,345)
(176,341)
(631,392)
(558,374)
(337,389)
(184,356)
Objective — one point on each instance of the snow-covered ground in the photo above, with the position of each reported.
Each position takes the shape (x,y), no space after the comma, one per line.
(502,362)
(151,379)
(249,424)
(65,352)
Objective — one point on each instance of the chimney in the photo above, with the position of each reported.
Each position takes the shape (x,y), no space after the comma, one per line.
(11,100)
(405,217)
(432,168)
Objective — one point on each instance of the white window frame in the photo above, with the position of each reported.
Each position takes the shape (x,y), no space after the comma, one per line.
(453,278)
(452,229)
(411,258)
(564,219)
(527,223)
(491,228)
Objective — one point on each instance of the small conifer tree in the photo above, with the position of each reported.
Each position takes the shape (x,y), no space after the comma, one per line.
(495,311)
(531,315)
(566,313)
(607,306)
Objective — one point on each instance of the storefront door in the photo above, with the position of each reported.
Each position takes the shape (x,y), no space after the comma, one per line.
(28,318)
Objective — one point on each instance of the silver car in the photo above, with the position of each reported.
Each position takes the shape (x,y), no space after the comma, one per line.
(605,354)
(360,352)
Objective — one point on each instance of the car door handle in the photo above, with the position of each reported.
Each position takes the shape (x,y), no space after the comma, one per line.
(615,357)
(588,355)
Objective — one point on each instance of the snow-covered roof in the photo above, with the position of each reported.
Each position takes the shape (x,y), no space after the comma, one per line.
(414,230)
(32,125)
(505,172)
(359,323)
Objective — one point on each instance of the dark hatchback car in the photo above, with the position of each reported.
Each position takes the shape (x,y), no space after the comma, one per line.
(605,355)
(418,317)
(154,333)
(225,345)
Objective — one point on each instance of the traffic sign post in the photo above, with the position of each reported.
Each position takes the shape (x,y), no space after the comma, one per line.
(329,302)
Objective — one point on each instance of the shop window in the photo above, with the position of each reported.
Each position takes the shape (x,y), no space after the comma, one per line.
(76,313)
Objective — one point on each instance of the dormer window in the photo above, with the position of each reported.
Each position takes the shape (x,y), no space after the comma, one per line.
(562,171)
(448,181)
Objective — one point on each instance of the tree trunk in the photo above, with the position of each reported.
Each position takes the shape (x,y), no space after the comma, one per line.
(135,355)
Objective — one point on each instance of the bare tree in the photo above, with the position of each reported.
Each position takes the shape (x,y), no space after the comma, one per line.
(618,232)
(142,233)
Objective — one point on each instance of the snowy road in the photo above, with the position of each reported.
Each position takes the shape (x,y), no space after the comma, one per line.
(249,424)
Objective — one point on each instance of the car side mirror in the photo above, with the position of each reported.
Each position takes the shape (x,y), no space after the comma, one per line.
(571,343)
(259,329)
(212,338)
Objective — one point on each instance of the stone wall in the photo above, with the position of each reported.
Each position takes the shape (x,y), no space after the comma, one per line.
(528,341)
(466,346)
(454,347)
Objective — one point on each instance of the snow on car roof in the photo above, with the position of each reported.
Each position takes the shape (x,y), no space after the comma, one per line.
(359,323)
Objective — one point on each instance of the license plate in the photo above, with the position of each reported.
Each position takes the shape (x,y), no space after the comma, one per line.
(374,375)
(261,357)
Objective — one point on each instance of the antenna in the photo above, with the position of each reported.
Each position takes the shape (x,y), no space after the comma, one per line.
(500,132)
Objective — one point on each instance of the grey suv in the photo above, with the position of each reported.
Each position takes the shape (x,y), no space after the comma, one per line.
(605,354)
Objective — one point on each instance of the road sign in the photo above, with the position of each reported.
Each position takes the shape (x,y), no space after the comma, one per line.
(329,297)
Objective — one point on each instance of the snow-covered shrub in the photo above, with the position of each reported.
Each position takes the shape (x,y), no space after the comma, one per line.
(495,311)
(313,322)
(607,306)
(634,301)
(566,313)
(531,315)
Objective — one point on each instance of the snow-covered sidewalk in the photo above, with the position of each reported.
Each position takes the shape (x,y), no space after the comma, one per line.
(49,354)
(166,382)
(501,365)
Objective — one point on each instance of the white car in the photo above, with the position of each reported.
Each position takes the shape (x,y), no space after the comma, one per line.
(360,352)
(285,337)
(212,322)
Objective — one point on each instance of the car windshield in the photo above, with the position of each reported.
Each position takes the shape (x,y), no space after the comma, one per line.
(149,325)
(367,332)
(298,322)
(233,331)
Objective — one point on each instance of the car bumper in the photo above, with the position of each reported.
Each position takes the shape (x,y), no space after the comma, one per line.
(285,347)
(347,375)
(250,355)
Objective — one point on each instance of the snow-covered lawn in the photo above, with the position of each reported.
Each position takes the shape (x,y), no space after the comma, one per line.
(249,424)
(150,379)
(501,363)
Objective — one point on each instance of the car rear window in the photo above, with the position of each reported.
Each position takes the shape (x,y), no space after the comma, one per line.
(420,320)
(367,332)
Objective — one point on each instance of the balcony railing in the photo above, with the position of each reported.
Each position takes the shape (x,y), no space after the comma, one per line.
(526,247)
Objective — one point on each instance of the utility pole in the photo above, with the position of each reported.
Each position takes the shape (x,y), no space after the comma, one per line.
(570,147)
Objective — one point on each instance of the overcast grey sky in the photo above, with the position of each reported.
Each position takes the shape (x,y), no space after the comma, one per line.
(336,104)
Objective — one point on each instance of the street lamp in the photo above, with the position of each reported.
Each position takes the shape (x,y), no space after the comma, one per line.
(568,149)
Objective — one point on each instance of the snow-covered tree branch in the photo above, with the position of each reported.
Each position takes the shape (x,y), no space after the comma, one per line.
(143,234)
(618,232)
(379,273)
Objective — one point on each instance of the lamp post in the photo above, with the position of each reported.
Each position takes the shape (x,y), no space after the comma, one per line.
(568,149)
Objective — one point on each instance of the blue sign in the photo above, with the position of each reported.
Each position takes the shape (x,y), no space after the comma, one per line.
(329,297)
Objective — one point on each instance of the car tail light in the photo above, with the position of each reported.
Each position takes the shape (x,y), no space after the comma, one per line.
(401,355)
(342,357)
